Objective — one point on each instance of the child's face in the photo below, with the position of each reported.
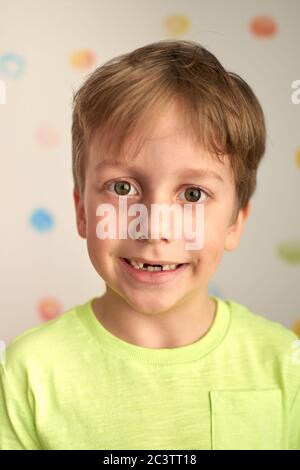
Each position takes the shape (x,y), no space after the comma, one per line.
(159,174)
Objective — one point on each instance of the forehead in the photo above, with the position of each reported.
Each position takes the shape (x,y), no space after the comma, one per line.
(169,144)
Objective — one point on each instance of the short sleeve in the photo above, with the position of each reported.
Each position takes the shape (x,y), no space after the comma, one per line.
(294,421)
(17,429)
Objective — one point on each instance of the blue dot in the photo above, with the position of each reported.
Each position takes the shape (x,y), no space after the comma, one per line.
(11,65)
(41,220)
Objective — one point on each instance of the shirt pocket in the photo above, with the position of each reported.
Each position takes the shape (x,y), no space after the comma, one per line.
(246,419)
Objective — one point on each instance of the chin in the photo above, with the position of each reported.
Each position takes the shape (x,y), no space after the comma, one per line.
(149,306)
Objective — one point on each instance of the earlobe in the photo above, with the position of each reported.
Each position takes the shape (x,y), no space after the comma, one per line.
(80,215)
(235,230)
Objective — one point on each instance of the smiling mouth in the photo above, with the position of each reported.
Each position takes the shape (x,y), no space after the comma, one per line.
(139,266)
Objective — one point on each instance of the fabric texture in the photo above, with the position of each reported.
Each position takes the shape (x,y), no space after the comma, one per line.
(71,384)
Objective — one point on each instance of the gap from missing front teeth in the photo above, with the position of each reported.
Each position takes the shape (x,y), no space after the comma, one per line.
(152,267)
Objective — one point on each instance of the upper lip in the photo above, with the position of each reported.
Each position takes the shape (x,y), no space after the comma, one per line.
(143,260)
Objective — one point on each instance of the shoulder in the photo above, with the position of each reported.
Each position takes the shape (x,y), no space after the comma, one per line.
(266,346)
(259,328)
(42,343)
(266,343)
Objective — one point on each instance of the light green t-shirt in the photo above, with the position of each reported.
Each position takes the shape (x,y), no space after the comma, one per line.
(71,384)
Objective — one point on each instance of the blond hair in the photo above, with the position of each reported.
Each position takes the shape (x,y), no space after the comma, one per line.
(122,98)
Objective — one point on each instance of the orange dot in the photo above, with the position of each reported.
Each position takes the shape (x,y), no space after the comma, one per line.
(82,59)
(49,308)
(297,158)
(263,26)
(176,25)
(296,328)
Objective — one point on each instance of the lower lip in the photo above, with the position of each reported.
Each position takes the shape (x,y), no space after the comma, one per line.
(153,277)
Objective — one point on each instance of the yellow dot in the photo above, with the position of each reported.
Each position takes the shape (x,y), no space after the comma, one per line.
(297,158)
(176,25)
(82,59)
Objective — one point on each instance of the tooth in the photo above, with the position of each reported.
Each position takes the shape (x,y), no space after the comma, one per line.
(138,265)
(133,263)
(168,267)
(134,266)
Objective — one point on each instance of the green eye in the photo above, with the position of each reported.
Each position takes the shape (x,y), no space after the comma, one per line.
(122,188)
(194,194)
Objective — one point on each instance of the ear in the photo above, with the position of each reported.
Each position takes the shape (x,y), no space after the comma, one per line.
(80,215)
(235,230)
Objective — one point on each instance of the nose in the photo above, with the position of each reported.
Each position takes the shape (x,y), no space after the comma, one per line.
(150,240)
(157,228)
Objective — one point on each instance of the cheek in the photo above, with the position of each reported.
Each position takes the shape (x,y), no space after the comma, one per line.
(213,247)
(215,232)
(99,249)
(102,254)
(103,217)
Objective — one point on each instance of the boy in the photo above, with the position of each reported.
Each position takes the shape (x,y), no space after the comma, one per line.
(155,362)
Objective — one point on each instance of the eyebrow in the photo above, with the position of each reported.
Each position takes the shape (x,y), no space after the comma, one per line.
(201,172)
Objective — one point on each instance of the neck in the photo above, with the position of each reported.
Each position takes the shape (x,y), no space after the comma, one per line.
(185,323)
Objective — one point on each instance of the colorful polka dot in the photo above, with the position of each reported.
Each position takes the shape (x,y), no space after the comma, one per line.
(289,251)
(41,220)
(297,158)
(263,26)
(82,59)
(11,65)
(49,308)
(296,327)
(47,136)
(176,25)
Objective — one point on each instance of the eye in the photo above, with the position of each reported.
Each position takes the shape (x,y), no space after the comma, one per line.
(193,194)
(121,187)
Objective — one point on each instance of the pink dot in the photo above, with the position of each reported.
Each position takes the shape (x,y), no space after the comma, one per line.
(49,308)
(47,136)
